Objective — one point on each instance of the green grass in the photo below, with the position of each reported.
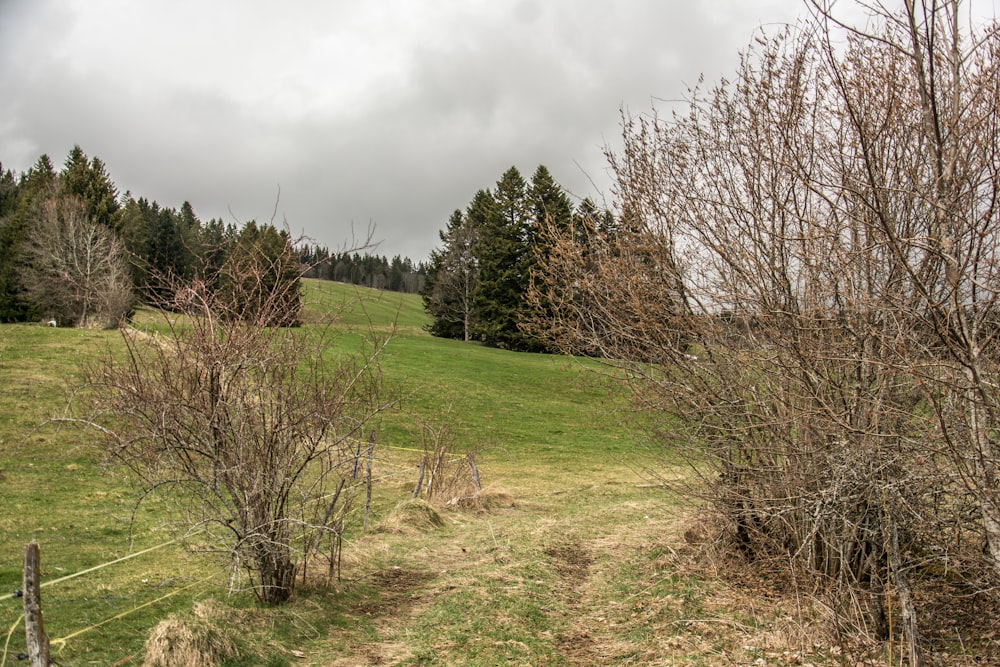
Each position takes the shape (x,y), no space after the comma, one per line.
(570,571)
(54,488)
(358,306)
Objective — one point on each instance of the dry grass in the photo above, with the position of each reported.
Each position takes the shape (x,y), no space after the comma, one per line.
(488,499)
(409,517)
(201,641)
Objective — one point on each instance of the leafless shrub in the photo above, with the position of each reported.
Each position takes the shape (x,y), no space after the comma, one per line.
(446,478)
(254,432)
(803,291)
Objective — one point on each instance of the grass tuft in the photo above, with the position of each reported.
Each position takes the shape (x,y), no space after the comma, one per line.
(411,516)
(201,641)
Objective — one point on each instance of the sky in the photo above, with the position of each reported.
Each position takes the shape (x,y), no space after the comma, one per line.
(390,113)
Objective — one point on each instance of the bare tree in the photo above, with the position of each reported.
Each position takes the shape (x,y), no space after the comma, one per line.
(809,257)
(76,270)
(254,432)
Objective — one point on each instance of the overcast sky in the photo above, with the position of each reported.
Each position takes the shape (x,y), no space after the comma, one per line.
(384,112)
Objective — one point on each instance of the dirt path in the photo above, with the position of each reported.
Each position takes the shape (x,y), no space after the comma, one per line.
(598,575)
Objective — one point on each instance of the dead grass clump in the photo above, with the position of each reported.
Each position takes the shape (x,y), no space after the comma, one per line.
(484,500)
(411,516)
(196,642)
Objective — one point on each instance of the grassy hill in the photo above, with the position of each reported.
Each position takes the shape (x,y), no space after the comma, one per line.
(578,561)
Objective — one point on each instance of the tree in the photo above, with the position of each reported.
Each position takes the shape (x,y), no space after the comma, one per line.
(37,186)
(89,180)
(549,208)
(478,280)
(548,205)
(214,240)
(261,277)
(809,257)
(252,432)
(76,271)
(9,192)
(451,281)
(503,257)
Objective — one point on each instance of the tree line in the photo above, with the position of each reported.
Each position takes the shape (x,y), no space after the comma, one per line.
(76,252)
(399,274)
(478,280)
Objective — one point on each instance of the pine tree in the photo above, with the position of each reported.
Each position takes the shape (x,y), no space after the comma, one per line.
(89,180)
(37,186)
(451,279)
(503,255)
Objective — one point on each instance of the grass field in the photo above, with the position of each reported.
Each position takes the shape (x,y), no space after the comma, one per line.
(579,561)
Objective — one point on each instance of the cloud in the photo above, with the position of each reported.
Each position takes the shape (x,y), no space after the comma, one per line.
(392,112)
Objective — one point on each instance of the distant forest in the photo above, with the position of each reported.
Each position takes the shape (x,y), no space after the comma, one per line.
(76,251)
(399,274)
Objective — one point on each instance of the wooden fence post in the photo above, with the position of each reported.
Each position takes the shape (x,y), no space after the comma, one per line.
(34,631)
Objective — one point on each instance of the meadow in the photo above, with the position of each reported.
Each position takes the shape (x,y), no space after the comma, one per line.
(580,560)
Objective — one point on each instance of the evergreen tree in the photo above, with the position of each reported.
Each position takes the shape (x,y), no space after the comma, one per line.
(133,224)
(75,175)
(89,180)
(588,220)
(395,280)
(37,186)
(549,204)
(190,224)
(214,240)
(551,211)
(166,253)
(101,195)
(451,279)
(262,270)
(9,191)
(503,255)
(490,253)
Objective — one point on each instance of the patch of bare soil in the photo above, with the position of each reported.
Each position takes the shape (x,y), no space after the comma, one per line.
(572,563)
(396,591)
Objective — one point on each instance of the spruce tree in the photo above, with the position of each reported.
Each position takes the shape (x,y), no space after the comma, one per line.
(503,256)
(9,191)
(262,271)
(551,211)
(451,279)
(37,186)
(549,204)
(89,180)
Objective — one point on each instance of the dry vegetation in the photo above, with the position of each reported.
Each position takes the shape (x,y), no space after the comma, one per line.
(803,294)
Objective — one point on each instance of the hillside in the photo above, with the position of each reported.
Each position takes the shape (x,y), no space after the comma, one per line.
(576,559)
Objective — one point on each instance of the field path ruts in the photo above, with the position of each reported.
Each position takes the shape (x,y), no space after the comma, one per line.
(578,644)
